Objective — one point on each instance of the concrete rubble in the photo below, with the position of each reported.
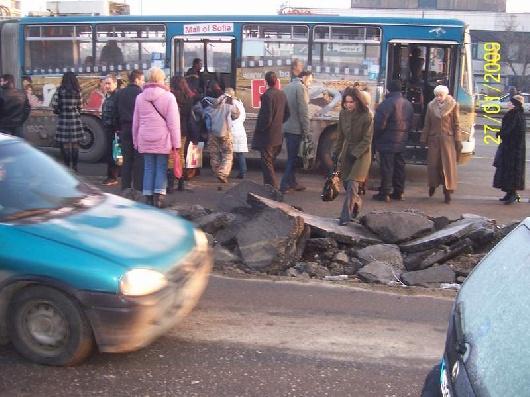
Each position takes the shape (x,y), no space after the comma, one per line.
(254,231)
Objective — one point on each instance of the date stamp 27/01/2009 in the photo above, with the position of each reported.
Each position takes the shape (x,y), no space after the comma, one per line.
(491,102)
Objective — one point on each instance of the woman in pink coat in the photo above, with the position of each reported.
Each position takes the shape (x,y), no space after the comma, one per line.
(156,131)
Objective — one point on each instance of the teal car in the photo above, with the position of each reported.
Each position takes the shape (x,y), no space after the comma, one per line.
(81,269)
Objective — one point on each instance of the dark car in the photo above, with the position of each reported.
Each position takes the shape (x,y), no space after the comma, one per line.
(487,350)
(80,268)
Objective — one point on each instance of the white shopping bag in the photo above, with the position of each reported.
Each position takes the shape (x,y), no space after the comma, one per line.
(194,155)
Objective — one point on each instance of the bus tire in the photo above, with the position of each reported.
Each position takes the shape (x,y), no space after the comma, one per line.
(94,144)
(326,147)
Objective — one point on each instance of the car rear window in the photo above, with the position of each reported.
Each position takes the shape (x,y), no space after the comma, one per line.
(496,318)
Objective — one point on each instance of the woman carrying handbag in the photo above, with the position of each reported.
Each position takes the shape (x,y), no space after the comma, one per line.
(354,152)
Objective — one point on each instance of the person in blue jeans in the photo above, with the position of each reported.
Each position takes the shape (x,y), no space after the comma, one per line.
(296,126)
(156,132)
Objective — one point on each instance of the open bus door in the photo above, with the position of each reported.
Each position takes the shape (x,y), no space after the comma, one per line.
(217,55)
(421,66)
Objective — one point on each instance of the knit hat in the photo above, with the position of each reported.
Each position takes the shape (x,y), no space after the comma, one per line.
(519,99)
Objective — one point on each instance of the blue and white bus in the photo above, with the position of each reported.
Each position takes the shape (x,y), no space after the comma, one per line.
(237,51)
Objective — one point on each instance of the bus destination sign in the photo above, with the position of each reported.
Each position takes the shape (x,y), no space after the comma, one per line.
(208,28)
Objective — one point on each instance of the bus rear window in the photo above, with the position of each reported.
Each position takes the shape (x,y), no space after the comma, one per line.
(56,48)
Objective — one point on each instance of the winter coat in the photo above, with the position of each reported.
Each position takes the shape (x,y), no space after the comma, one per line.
(440,133)
(274,111)
(392,123)
(220,112)
(66,105)
(298,101)
(109,116)
(14,109)
(185,104)
(156,120)
(239,135)
(125,101)
(354,144)
(510,159)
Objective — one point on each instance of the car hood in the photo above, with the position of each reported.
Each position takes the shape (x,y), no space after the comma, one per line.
(122,231)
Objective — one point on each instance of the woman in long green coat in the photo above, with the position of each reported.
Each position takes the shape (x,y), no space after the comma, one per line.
(354,152)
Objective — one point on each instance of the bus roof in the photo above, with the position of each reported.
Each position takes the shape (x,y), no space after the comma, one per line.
(246,18)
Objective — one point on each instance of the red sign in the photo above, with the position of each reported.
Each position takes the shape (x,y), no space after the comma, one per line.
(258,89)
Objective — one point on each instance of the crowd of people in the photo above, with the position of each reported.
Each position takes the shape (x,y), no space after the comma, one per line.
(157,125)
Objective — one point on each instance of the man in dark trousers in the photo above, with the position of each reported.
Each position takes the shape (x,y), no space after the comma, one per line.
(109,119)
(268,136)
(133,168)
(14,107)
(392,122)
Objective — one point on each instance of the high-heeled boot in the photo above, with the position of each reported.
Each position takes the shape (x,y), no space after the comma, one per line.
(75,158)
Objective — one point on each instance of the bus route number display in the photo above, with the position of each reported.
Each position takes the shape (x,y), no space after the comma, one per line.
(208,28)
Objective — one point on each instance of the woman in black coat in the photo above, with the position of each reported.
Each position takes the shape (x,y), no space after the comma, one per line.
(510,157)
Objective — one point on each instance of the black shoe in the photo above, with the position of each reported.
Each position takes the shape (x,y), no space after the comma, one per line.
(506,197)
(514,198)
(431,191)
(241,176)
(180,187)
(397,196)
(381,197)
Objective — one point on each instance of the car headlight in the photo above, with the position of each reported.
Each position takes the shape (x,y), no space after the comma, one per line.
(201,241)
(139,282)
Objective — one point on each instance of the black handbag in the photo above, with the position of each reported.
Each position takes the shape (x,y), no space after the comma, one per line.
(331,188)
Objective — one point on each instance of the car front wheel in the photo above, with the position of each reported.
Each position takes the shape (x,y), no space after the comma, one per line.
(48,327)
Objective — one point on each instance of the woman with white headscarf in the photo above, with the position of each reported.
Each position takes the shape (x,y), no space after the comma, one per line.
(442,135)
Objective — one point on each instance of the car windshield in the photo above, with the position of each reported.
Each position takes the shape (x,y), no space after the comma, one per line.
(496,318)
(33,184)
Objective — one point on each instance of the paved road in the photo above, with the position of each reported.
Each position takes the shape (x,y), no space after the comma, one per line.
(264,338)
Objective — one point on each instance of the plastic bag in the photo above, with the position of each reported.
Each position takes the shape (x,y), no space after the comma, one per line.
(116,151)
(194,155)
(177,165)
(331,188)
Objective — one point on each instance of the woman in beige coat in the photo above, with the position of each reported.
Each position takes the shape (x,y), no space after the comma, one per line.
(354,150)
(442,135)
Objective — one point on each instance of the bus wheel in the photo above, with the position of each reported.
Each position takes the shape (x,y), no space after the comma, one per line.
(326,147)
(94,144)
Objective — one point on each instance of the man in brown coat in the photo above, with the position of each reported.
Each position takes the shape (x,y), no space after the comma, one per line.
(268,136)
(441,133)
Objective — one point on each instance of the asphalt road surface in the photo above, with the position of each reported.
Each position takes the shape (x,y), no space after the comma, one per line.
(264,338)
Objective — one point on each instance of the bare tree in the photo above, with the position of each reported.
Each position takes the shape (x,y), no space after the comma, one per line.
(515,50)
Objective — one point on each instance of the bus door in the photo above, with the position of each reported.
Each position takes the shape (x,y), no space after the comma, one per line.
(216,53)
(421,66)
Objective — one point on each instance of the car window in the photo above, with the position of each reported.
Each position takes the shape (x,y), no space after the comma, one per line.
(31,181)
(496,318)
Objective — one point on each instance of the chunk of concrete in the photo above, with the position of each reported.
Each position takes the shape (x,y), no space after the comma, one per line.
(397,227)
(433,275)
(377,272)
(223,257)
(215,221)
(386,253)
(425,259)
(272,241)
(235,198)
(354,234)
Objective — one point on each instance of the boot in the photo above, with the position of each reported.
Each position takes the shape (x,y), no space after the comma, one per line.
(159,200)
(75,159)
(180,187)
(513,198)
(432,189)
(506,197)
(447,196)
(170,181)
(66,156)
(149,199)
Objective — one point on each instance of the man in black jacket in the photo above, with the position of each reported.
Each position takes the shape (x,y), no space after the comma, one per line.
(268,135)
(14,107)
(393,120)
(132,160)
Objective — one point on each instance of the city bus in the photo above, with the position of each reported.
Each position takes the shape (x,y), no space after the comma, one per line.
(237,51)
